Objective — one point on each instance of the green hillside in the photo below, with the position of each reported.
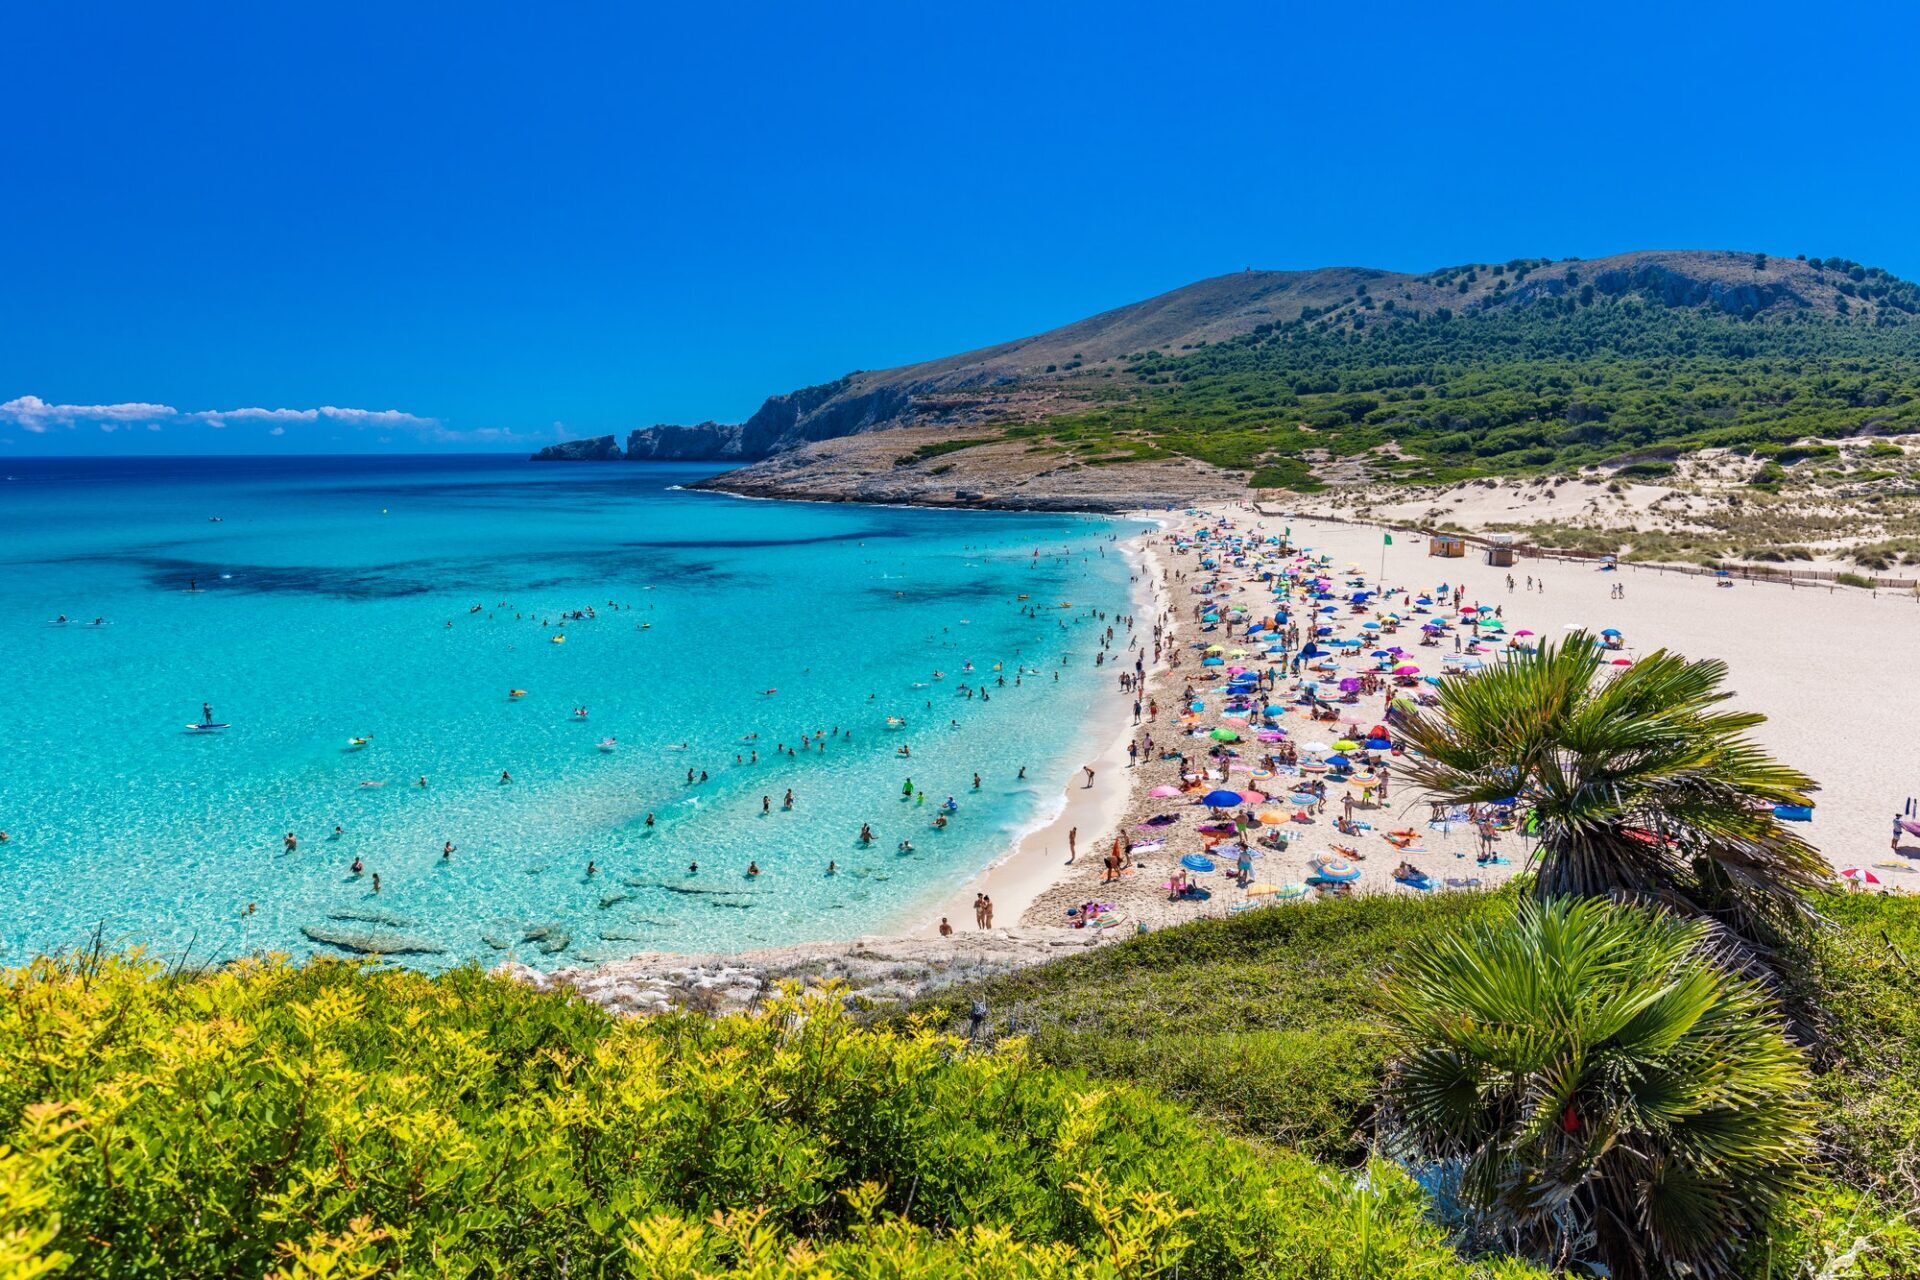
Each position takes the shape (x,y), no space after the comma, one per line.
(1509,384)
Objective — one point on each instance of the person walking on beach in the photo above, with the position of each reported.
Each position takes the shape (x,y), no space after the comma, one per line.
(1073,841)
(986,911)
(1088,769)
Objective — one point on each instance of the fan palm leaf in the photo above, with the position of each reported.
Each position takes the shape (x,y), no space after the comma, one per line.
(1638,783)
(1594,1074)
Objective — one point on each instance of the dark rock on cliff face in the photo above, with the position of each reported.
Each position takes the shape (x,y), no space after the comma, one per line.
(598,449)
(825,412)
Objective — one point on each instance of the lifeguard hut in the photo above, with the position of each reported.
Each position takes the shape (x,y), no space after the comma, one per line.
(1500,549)
(1446,545)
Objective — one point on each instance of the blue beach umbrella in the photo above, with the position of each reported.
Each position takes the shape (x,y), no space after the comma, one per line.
(1221,799)
(1197,862)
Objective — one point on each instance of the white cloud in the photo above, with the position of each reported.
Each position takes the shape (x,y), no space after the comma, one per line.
(33,414)
(278,431)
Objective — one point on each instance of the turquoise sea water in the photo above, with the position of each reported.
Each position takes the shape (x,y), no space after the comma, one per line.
(326,590)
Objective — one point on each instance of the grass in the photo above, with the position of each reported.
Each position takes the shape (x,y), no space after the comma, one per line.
(1261,1021)
(940,448)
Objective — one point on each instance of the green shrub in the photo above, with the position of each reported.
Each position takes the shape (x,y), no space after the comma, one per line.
(330,1120)
(1848,579)
(1645,470)
(1593,1073)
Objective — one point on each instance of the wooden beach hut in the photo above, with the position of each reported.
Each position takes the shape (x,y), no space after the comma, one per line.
(1500,549)
(1447,545)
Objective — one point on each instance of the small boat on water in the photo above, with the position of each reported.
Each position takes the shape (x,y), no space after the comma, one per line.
(356,744)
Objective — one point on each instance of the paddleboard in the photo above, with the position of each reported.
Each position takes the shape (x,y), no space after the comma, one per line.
(204,727)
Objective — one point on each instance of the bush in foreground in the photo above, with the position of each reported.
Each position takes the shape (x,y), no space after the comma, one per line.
(1598,1079)
(328,1120)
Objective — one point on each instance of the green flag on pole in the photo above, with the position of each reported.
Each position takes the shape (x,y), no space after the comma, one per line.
(1389,540)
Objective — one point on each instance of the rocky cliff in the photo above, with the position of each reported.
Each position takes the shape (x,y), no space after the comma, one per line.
(596,449)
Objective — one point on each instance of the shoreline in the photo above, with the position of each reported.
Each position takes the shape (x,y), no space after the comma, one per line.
(1025,873)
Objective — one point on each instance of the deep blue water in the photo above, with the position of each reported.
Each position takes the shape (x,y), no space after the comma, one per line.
(335,599)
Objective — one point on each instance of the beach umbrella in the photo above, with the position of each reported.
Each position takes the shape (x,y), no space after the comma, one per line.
(1911,827)
(1272,817)
(1197,862)
(1523,632)
(1338,869)
(1609,631)
(1623,662)
(1213,662)
(1253,797)
(1314,748)
(1262,890)
(1339,762)
(1346,744)
(1164,792)
(1379,744)
(1269,735)
(1860,875)
(1221,799)
(1406,669)
(1365,781)
(1224,735)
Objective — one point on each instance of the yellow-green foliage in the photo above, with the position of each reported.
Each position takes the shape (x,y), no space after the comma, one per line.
(330,1122)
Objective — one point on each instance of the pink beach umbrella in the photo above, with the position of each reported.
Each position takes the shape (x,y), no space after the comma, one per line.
(1164,792)
(1406,669)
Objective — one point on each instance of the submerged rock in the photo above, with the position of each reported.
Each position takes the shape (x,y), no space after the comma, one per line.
(372,917)
(371,942)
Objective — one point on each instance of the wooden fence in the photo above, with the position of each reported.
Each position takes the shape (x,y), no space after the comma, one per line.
(1747,573)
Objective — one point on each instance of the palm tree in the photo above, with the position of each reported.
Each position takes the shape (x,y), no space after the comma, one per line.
(1600,1087)
(1636,784)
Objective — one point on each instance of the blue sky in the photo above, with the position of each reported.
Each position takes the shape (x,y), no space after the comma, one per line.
(263,227)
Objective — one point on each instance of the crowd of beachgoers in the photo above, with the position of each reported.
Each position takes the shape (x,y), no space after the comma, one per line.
(1265,761)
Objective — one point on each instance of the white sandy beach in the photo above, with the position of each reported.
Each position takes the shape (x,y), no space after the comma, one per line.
(1828,666)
